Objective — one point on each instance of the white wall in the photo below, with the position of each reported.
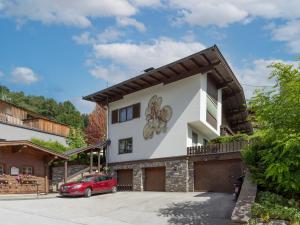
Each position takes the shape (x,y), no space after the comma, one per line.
(10,133)
(184,98)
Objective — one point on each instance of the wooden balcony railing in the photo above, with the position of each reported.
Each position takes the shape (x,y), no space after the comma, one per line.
(218,148)
(38,124)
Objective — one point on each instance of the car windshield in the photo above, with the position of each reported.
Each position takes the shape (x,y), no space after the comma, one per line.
(87,179)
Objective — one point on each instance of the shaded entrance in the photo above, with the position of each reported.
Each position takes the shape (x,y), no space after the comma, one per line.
(217,175)
(125,179)
(155,179)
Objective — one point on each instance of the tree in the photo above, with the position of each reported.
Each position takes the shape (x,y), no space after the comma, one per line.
(96,129)
(75,138)
(274,159)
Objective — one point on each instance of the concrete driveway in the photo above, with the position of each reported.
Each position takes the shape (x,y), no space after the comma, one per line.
(123,208)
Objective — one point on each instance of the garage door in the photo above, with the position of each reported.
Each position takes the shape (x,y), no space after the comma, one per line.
(216,176)
(125,180)
(155,179)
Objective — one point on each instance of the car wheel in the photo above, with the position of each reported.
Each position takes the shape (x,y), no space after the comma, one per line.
(114,189)
(88,192)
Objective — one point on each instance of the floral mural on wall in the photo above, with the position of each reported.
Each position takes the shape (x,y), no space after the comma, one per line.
(157,117)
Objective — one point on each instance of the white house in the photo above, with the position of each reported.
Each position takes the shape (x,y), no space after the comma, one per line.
(155,117)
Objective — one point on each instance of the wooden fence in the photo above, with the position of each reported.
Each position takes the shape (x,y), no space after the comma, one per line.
(218,148)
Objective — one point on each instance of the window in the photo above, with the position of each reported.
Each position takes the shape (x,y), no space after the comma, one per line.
(125,146)
(125,114)
(1,169)
(27,170)
(194,138)
(14,171)
(205,141)
(100,179)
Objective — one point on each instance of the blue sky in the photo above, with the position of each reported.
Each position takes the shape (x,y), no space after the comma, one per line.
(66,49)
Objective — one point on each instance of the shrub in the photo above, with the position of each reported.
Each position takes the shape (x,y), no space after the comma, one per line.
(226,139)
(52,145)
(275,165)
(273,206)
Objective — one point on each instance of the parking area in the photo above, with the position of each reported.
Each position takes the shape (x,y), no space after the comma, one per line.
(123,208)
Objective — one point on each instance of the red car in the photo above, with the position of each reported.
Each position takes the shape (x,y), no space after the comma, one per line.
(88,185)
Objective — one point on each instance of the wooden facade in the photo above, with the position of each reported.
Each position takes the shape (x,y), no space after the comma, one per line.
(24,167)
(12,114)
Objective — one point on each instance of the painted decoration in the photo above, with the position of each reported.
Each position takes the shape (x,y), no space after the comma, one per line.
(157,117)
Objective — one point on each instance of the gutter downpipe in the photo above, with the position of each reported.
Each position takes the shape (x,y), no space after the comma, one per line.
(107,121)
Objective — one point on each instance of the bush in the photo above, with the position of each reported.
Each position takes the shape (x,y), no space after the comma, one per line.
(227,139)
(275,165)
(273,206)
(52,145)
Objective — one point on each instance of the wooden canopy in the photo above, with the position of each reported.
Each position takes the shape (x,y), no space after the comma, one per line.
(97,146)
(209,61)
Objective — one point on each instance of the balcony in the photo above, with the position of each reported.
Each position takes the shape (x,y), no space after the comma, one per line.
(219,148)
(38,124)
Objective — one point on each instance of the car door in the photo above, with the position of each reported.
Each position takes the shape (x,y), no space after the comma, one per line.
(99,184)
(108,183)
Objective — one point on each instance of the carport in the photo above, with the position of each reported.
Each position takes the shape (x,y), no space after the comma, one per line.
(99,149)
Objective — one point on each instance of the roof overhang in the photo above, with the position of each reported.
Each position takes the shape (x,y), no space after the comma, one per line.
(24,144)
(209,61)
(98,146)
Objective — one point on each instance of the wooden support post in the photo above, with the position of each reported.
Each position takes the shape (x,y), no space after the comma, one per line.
(99,157)
(66,171)
(91,161)
(105,154)
(46,178)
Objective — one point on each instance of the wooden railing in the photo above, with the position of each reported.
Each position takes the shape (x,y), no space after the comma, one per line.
(37,124)
(14,185)
(218,148)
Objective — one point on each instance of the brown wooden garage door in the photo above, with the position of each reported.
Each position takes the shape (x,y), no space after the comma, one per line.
(125,180)
(217,176)
(155,179)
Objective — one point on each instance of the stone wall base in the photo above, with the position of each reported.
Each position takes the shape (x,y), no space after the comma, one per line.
(176,173)
(179,171)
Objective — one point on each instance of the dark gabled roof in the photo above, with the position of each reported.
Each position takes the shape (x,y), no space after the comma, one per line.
(210,61)
(32,145)
(87,148)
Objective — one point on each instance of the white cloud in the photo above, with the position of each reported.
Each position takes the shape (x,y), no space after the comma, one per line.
(126,21)
(68,12)
(83,106)
(133,58)
(137,57)
(110,34)
(256,75)
(83,38)
(147,3)
(223,13)
(110,74)
(23,75)
(290,33)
